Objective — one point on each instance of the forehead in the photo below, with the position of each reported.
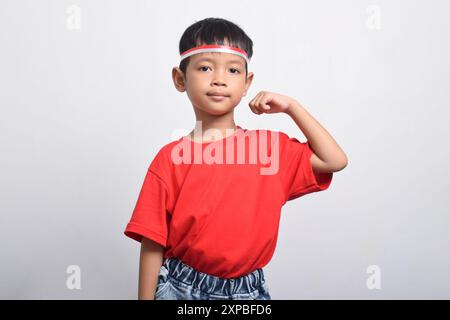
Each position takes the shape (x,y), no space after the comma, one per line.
(218,57)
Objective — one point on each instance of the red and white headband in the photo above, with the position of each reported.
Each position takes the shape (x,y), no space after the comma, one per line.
(215,48)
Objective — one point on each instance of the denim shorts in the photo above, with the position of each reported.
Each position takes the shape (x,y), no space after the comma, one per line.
(179,281)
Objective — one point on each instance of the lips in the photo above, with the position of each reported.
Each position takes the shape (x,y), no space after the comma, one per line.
(217,94)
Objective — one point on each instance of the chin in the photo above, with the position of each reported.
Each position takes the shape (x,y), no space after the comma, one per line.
(217,110)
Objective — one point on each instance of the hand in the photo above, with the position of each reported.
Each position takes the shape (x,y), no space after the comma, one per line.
(270,102)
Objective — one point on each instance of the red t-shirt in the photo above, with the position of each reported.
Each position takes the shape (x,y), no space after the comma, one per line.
(222,218)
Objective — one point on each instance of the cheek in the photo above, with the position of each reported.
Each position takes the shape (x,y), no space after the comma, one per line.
(239,88)
(195,86)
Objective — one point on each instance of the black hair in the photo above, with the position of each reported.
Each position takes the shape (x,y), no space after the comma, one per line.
(214,31)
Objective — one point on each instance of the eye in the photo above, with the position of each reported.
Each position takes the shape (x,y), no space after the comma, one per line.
(236,70)
(202,68)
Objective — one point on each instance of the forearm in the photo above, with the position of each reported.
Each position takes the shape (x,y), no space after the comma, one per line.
(323,144)
(151,258)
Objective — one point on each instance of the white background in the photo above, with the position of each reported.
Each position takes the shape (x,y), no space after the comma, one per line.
(84,111)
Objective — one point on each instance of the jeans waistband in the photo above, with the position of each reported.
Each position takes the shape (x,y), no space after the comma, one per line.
(211,284)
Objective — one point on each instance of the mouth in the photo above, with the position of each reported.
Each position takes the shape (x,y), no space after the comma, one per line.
(217,96)
(218,93)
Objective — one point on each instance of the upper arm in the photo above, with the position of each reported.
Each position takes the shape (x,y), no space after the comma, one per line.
(152,246)
(321,166)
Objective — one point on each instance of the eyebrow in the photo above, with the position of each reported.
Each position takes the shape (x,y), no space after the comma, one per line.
(211,60)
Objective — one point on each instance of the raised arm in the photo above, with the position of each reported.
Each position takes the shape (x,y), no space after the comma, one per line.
(328,155)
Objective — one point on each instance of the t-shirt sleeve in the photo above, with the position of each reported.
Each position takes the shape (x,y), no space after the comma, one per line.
(297,175)
(150,216)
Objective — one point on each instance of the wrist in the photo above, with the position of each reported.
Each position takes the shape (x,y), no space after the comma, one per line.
(292,107)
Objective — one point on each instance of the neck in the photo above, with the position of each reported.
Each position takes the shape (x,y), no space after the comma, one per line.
(204,121)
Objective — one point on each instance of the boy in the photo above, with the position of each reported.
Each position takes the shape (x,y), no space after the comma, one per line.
(208,212)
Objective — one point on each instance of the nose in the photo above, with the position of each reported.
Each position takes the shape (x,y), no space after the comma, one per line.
(218,83)
(218,78)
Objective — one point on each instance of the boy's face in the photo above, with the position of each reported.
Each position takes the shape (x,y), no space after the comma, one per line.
(211,73)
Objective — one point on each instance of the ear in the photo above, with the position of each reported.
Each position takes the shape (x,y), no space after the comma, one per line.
(248,82)
(178,79)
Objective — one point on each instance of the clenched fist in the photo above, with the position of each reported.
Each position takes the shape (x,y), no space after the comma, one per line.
(270,102)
